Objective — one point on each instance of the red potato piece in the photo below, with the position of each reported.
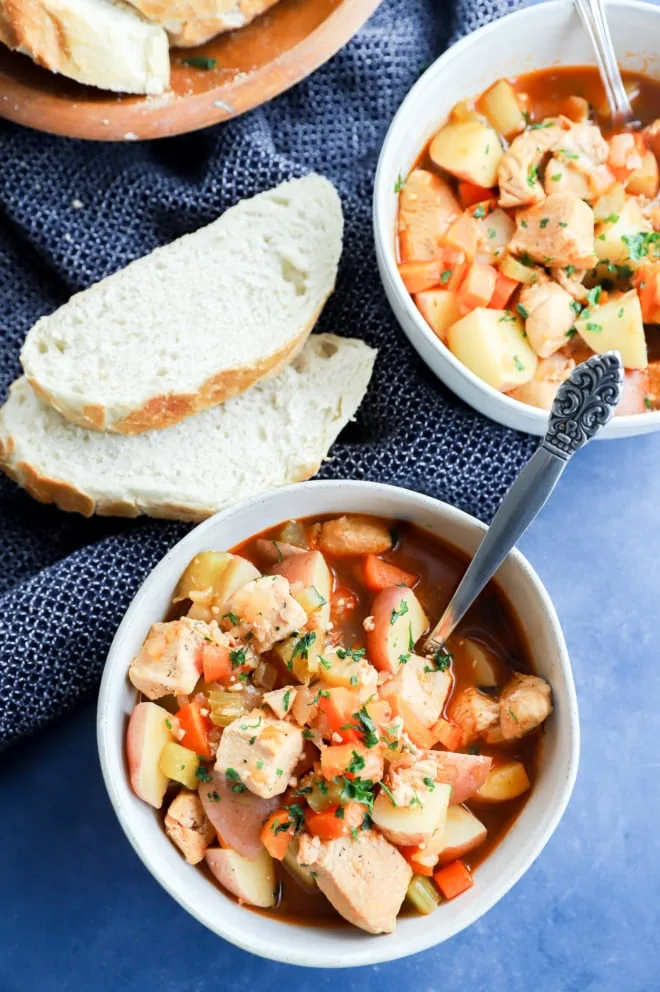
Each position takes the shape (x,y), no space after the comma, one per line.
(464,772)
(309,569)
(252,881)
(354,535)
(146,736)
(237,817)
(427,209)
(398,623)
(462,833)
(636,389)
(272,552)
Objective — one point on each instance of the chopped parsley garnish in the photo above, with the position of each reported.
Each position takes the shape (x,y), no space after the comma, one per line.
(523,223)
(593,296)
(366,727)
(569,270)
(286,700)
(648,403)
(513,716)
(279,772)
(556,177)
(562,223)
(307,734)
(237,657)
(479,212)
(357,790)
(506,316)
(442,659)
(404,659)
(388,793)
(233,619)
(518,364)
(611,219)
(568,153)
(399,184)
(429,783)
(446,276)
(199,62)
(232,776)
(492,233)
(260,764)
(280,556)
(354,834)
(168,724)
(522,311)
(355,654)
(533,175)
(575,306)
(250,726)
(541,125)
(213,796)
(596,328)
(356,764)
(620,312)
(544,221)
(638,244)
(526,258)
(401,612)
(570,333)
(302,646)
(202,774)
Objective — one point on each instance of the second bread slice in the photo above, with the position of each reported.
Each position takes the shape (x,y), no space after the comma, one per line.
(195,322)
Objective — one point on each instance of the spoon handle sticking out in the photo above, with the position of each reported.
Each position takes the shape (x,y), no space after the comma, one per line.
(594,19)
(583,405)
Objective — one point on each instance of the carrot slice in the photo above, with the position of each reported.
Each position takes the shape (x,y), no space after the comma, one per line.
(380,711)
(449,735)
(453,879)
(195,728)
(477,288)
(216,663)
(379,574)
(464,234)
(338,706)
(504,290)
(336,821)
(418,276)
(277,832)
(471,193)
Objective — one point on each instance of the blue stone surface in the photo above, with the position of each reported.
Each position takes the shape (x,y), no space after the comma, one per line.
(79,911)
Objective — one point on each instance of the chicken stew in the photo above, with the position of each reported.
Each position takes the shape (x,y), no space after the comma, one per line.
(301,749)
(529,234)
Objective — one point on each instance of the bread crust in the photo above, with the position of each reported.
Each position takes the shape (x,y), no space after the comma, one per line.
(170,408)
(200,29)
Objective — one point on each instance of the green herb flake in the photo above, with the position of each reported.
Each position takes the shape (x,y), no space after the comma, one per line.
(562,223)
(620,313)
(596,328)
(356,764)
(237,657)
(611,219)
(366,727)
(213,796)
(286,700)
(387,792)
(199,62)
(442,659)
(429,783)
(570,333)
(575,306)
(492,233)
(233,619)
(401,612)
(513,716)
(648,403)
(594,295)
(568,154)
(446,275)
(544,221)
(523,223)
(518,364)
(479,212)
(399,184)
(302,646)
(541,125)
(556,177)
(202,774)
(532,175)
(260,764)
(168,724)
(569,270)
(522,311)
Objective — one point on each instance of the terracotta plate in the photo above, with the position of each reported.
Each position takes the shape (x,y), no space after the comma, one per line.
(253,65)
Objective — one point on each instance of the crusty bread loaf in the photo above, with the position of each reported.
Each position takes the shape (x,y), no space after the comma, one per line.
(197,321)
(277,432)
(206,24)
(97,42)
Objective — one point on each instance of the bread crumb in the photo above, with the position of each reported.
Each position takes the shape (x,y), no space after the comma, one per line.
(67,237)
(369,623)
(76,204)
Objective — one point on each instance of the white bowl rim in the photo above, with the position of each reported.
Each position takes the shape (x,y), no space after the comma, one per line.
(379,951)
(622,426)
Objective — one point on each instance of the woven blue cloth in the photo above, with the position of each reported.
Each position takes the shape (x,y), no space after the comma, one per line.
(72,212)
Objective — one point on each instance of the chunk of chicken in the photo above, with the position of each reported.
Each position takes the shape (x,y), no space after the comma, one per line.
(406,781)
(518,174)
(267,611)
(558,232)
(571,283)
(476,714)
(354,535)
(364,877)
(260,752)
(525,702)
(579,164)
(550,315)
(424,691)
(187,826)
(542,389)
(427,209)
(168,661)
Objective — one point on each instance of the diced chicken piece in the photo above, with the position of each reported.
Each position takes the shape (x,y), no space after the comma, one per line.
(365,878)
(518,175)
(550,315)
(187,826)
(423,690)
(476,714)
(260,752)
(572,282)
(405,780)
(354,535)
(542,389)
(525,702)
(267,611)
(558,232)
(427,209)
(281,700)
(168,661)
(579,164)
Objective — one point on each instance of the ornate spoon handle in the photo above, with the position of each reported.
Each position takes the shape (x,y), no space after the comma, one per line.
(583,405)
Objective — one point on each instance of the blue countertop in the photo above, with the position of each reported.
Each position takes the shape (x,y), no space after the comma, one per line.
(79,911)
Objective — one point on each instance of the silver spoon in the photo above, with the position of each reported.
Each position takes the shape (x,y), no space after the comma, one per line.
(584,404)
(593,17)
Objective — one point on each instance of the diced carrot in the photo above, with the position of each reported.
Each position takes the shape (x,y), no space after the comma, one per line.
(417,866)
(277,832)
(417,732)
(449,735)
(453,879)
(418,276)
(336,821)
(338,706)
(477,287)
(195,728)
(464,234)
(353,761)
(379,574)
(470,193)
(216,663)
(504,290)
(647,284)
(455,265)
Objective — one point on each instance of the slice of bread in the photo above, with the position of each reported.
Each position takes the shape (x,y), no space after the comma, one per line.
(201,27)
(277,432)
(197,321)
(96,42)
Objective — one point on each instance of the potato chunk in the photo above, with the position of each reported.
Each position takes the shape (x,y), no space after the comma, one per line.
(491,344)
(469,150)
(609,243)
(354,535)
(399,622)
(252,882)
(260,753)
(500,105)
(617,325)
(417,821)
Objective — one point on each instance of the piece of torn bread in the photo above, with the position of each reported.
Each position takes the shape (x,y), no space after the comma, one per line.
(275,433)
(197,321)
(96,42)
(194,22)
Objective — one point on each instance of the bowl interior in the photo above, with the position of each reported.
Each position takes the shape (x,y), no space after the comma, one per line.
(336,947)
(536,37)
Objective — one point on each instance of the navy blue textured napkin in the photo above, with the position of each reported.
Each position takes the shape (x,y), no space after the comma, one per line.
(72,212)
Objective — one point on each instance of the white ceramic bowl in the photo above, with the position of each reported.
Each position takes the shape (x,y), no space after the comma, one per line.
(533,38)
(341,947)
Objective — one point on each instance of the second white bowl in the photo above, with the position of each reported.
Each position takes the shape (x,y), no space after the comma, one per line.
(536,37)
